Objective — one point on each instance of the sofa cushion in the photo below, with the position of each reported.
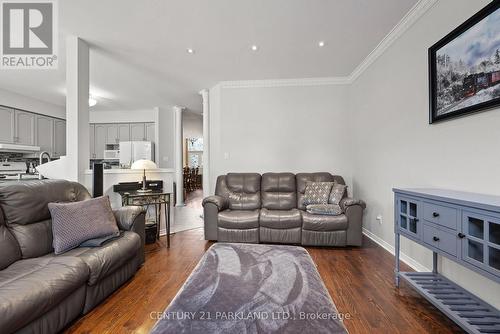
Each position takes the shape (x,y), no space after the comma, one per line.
(27,202)
(313,222)
(324,209)
(9,248)
(241,189)
(280,219)
(104,260)
(74,223)
(303,178)
(31,288)
(279,191)
(317,193)
(337,193)
(34,239)
(238,219)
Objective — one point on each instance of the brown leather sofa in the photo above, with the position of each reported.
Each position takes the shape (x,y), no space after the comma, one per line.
(41,292)
(269,208)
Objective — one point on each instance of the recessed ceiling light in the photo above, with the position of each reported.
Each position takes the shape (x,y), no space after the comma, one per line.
(321,44)
(92,101)
(254,47)
(190,51)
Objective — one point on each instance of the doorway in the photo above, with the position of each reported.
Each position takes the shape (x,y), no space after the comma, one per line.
(193,170)
(190,215)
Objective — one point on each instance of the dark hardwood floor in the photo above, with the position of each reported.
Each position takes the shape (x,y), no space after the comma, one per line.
(360,281)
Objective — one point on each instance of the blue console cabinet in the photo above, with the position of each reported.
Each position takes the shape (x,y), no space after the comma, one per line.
(463,227)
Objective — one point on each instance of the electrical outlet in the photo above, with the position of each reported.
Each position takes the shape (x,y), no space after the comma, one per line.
(380,219)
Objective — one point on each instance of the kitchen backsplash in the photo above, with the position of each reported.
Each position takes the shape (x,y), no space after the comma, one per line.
(18,157)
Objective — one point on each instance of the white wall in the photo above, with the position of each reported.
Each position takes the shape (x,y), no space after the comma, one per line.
(192,125)
(124,116)
(396,147)
(292,128)
(165,135)
(14,100)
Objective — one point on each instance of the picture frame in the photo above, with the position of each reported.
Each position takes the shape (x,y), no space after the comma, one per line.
(464,67)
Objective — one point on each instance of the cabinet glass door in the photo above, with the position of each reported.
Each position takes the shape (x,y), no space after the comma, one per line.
(409,214)
(494,244)
(481,241)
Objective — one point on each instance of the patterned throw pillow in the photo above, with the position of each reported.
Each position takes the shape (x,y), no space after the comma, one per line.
(317,192)
(324,209)
(337,193)
(74,223)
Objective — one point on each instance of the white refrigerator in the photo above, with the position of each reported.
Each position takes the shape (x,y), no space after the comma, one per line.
(131,151)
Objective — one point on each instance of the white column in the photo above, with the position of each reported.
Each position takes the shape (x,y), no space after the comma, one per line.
(77,108)
(178,154)
(206,142)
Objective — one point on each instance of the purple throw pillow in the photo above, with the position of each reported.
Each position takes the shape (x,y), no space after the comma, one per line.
(74,223)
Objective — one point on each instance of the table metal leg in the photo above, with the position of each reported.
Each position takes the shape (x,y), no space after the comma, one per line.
(396,251)
(166,207)
(158,221)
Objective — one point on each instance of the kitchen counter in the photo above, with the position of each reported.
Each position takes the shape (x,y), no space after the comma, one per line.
(16,180)
(133,171)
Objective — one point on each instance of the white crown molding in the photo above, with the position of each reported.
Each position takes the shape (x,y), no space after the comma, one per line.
(388,247)
(417,11)
(284,82)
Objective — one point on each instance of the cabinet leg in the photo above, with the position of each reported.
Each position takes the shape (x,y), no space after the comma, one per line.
(434,262)
(396,269)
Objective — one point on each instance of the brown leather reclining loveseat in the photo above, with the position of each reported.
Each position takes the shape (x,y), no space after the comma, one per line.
(269,208)
(41,292)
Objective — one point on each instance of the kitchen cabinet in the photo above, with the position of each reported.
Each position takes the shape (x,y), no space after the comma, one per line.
(24,128)
(27,128)
(123,132)
(44,137)
(59,138)
(150,132)
(100,140)
(102,134)
(115,133)
(137,132)
(6,125)
(111,134)
(92,140)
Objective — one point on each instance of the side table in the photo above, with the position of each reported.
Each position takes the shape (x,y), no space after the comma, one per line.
(159,199)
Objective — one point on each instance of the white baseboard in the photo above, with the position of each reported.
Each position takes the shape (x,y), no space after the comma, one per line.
(388,247)
(163,232)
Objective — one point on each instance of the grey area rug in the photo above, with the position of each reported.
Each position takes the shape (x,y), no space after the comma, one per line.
(249,288)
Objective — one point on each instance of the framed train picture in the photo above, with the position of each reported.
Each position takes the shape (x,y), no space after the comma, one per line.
(464,67)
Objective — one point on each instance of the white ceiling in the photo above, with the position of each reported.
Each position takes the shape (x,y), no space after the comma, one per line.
(138,48)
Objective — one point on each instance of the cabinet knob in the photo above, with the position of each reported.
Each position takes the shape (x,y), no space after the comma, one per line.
(435,214)
(461,235)
(415,220)
(435,238)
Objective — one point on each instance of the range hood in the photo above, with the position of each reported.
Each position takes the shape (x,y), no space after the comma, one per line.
(18,148)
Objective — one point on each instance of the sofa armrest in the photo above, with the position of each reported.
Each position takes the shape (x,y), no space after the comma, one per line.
(353,209)
(220,202)
(129,218)
(133,218)
(348,201)
(212,205)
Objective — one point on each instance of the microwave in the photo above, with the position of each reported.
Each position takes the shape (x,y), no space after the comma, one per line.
(111,154)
